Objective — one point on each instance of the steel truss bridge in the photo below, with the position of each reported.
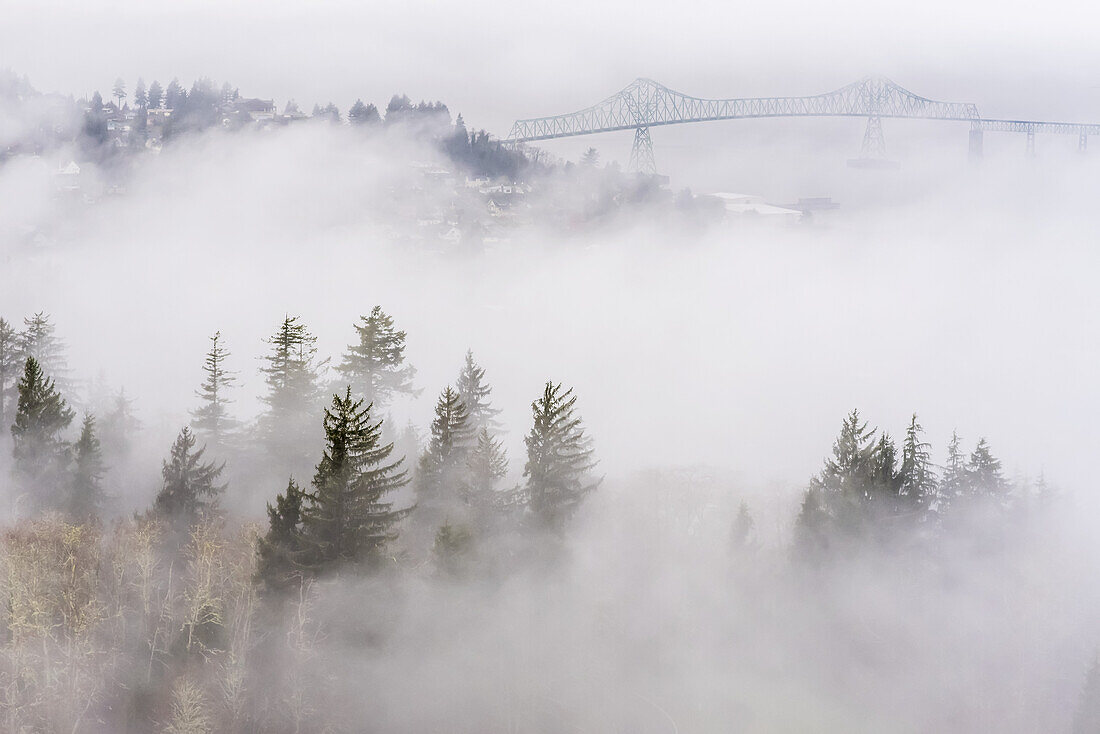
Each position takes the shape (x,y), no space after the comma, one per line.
(645,104)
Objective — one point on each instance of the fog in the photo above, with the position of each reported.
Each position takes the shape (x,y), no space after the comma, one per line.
(713,359)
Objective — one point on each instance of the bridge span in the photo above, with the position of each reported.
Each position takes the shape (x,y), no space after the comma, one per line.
(645,104)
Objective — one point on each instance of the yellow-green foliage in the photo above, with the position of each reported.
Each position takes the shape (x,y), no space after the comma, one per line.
(90,615)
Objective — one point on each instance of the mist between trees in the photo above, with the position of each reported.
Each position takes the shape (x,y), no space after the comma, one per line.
(401,585)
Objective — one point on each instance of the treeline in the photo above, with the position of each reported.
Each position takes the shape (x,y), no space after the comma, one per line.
(869,490)
(345,515)
(205,106)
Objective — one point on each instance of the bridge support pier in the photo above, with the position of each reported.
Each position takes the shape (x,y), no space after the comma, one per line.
(874,142)
(1030,143)
(1082,143)
(641,155)
(976,145)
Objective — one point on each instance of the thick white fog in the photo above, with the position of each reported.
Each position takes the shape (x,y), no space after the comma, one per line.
(736,560)
(962,293)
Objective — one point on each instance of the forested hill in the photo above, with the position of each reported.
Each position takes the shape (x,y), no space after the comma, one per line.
(132,120)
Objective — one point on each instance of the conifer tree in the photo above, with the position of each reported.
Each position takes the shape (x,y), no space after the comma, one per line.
(845,483)
(294,394)
(189,490)
(984,471)
(118,426)
(40,454)
(156,94)
(486,465)
(955,482)
(451,439)
(281,547)
(559,458)
(475,392)
(39,341)
(211,421)
(918,478)
(11,364)
(441,468)
(885,485)
(346,518)
(86,498)
(375,367)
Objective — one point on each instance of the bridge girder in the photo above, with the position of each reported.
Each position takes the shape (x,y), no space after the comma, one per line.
(645,104)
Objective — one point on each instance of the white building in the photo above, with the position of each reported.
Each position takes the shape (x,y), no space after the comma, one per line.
(750,205)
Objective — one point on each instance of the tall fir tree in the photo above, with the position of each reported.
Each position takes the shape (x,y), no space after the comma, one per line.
(375,367)
(955,482)
(190,488)
(475,394)
(919,488)
(984,472)
(86,497)
(294,396)
(11,365)
(211,420)
(156,95)
(440,472)
(559,458)
(41,455)
(141,97)
(346,519)
(280,549)
(844,484)
(117,429)
(38,340)
(486,466)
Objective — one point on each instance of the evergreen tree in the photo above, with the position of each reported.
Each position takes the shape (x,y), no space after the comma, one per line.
(117,429)
(918,478)
(361,114)
(86,498)
(280,549)
(956,481)
(39,341)
(559,458)
(189,490)
(845,483)
(475,392)
(885,484)
(292,375)
(156,94)
(486,465)
(346,519)
(141,97)
(211,421)
(440,471)
(11,364)
(590,158)
(375,367)
(40,455)
(984,472)
(174,94)
(119,91)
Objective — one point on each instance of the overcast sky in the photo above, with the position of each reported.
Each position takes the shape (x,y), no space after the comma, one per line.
(496,60)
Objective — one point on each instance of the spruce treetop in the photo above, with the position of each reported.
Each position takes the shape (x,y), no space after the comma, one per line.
(559,457)
(375,367)
(475,393)
(347,518)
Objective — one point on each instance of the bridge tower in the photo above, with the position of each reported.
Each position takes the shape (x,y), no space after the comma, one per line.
(976,143)
(641,155)
(874,142)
